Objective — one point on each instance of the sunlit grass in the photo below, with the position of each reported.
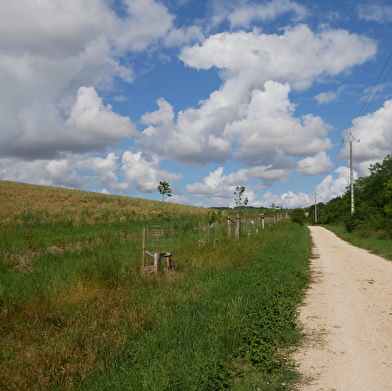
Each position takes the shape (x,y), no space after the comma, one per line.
(32,205)
(77,313)
(376,242)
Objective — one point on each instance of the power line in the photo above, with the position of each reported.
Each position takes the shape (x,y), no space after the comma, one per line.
(364,108)
(366,105)
(374,95)
(385,109)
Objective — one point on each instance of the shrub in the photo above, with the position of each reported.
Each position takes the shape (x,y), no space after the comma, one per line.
(297,216)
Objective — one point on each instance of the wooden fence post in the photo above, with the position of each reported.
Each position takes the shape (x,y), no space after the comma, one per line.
(169,262)
(262,222)
(157,257)
(238,226)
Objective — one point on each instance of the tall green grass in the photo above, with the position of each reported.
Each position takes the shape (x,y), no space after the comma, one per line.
(86,319)
(373,241)
(226,325)
(76,313)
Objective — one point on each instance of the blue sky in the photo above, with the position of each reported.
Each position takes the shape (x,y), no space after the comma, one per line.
(114,96)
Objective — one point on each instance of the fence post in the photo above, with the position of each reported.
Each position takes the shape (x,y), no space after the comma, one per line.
(228,226)
(168,256)
(238,226)
(144,247)
(157,257)
(262,222)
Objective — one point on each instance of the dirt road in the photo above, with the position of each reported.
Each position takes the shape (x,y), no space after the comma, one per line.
(347,317)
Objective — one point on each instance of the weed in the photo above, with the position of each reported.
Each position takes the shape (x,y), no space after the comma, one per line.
(31,240)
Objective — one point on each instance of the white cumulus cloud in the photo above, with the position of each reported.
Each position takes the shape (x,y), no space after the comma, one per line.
(89,117)
(50,50)
(270,56)
(164,115)
(145,173)
(313,165)
(374,134)
(250,116)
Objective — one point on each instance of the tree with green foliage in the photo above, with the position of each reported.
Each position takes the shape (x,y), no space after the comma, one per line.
(297,216)
(371,189)
(214,216)
(373,203)
(388,197)
(336,210)
(165,189)
(239,197)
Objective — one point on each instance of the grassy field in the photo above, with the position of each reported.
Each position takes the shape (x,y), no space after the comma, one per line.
(373,242)
(78,314)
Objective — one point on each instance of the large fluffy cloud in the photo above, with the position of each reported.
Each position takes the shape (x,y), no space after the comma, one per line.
(327,189)
(144,172)
(251,115)
(268,125)
(219,186)
(108,173)
(91,119)
(54,56)
(262,132)
(371,137)
(260,57)
(313,165)
(60,173)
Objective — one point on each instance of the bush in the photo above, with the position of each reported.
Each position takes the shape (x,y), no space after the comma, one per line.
(363,217)
(297,216)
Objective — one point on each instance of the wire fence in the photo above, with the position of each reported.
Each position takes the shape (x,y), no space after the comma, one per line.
(158,240)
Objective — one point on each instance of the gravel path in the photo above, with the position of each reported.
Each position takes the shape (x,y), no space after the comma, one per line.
(347,317)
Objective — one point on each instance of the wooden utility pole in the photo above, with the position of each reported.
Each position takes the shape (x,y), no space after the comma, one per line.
(351,138)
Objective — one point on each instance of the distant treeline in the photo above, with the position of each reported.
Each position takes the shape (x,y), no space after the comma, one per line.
(372,201)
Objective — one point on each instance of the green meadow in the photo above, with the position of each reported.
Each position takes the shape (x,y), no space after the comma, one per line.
(78,313)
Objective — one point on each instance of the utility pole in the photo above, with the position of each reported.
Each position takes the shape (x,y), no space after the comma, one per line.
(351,138)
(315,207)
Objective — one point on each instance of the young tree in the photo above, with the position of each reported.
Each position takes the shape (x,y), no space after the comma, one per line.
(165,189)
(239,193)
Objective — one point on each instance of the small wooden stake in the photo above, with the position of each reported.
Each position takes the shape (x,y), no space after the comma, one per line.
(169,263)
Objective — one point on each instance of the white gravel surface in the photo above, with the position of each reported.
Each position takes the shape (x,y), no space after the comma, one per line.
(347,319)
